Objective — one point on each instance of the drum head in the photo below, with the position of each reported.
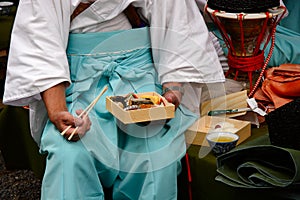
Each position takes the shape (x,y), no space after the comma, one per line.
(247,6)
(272,12)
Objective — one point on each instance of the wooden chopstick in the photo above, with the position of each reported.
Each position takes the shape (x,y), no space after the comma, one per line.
(86,111)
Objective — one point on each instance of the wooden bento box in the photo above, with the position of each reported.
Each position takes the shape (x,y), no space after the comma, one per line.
(196,134)
(162,109)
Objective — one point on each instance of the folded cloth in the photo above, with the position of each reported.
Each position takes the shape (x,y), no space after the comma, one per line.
(281,85)
(259,166)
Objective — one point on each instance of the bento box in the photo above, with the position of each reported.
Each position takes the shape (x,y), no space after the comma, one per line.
(140,107)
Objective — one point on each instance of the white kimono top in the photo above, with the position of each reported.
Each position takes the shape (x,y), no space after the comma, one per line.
(182,50)
(37,57)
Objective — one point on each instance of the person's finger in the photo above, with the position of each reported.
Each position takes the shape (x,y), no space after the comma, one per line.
(85,119)
(78,112)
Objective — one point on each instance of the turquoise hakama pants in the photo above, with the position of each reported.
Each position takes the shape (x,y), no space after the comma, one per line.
(136,161)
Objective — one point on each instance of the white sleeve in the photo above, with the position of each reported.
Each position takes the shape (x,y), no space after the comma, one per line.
(182,50)
(37,57)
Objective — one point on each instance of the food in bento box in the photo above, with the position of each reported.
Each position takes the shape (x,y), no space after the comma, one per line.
(133,101)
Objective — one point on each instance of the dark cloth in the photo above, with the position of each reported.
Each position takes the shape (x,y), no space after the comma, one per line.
(260,165)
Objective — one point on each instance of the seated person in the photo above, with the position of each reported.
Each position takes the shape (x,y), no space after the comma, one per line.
(58,66)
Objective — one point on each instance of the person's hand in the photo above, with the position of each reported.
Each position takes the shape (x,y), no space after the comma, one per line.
(55,101)
(62,120)
(173,97)
(173,93)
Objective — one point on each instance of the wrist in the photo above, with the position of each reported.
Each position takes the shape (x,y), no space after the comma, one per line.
(55,100)
(178,88)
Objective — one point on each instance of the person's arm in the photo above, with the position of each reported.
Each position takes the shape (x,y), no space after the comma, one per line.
(38,64)
(55,101)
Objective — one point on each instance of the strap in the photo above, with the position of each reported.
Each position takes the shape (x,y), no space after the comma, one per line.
(79,9)
(130,12)
(133,17)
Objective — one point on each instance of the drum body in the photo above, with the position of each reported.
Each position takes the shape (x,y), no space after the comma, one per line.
(246,36)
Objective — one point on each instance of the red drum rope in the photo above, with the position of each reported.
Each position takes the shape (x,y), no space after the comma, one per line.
(261,36)
(240,19)
(246,64)
(266,63)
(223,32)
(272,35)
